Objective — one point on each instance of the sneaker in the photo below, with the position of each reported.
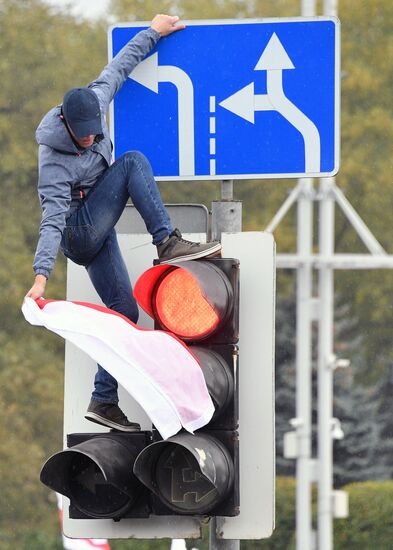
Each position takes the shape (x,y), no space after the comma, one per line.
(110,415)
(176,249)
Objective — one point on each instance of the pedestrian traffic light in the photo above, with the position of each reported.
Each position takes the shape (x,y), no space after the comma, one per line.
(134,475)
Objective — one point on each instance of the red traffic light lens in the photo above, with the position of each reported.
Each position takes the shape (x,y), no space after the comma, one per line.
(181,307)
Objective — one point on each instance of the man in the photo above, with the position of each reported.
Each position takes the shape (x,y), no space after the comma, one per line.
(83,195)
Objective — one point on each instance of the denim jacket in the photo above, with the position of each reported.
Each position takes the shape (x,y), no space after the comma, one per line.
(63,168)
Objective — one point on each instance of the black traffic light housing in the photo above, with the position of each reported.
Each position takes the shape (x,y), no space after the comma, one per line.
(220,369)
(192,474)
(95,473)
(207,463)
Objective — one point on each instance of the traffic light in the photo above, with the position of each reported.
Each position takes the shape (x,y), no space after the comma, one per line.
(197,301)
(134,475)
(95,473)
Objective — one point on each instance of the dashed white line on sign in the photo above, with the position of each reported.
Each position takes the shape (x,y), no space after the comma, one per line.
(212,140)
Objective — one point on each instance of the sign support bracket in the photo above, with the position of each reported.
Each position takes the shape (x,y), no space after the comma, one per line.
(226,213)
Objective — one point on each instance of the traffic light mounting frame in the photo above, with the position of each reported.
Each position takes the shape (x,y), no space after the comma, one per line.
(256,253)
(219,279)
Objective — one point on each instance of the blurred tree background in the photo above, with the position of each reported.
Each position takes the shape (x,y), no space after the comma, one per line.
(44,52)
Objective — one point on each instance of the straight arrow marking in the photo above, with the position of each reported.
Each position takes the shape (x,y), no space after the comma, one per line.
(245,102)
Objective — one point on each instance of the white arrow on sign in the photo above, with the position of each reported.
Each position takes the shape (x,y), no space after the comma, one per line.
(149,73)
(245,102)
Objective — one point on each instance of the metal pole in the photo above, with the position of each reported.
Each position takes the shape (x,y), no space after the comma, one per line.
(303,366)
(308,8)
(226,218)
(220,544)
(330,7)
(325,353)
(357,223)
(325,371)
(226,213)
(284,208)
(303,351)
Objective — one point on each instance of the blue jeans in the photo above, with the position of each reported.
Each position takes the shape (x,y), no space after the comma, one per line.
(90,239)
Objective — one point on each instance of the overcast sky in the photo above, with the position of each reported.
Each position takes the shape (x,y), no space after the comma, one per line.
(83,8)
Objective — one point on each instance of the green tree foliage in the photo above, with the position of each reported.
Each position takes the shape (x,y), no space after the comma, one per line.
(369,523)
(356,408)
(354,455)
(365,413)
(365,175)
(139,10)
(41,55)
(383,453)
(285,356)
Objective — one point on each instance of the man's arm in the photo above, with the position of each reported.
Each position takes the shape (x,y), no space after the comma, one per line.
(116,72)
(55,196)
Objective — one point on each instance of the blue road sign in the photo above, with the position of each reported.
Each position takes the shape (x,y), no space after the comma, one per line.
(234,99)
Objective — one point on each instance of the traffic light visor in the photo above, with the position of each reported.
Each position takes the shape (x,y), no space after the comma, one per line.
(97,484)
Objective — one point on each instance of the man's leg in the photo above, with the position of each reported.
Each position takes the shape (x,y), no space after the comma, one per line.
(131,176)
(90,239)
(108,273)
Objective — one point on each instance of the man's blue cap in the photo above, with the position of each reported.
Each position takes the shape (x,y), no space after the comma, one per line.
(81,111)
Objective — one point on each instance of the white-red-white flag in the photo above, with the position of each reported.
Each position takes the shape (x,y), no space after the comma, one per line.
(153,366)
(79,544)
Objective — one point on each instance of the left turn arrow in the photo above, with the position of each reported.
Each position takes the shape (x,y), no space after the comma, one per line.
(149,73)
